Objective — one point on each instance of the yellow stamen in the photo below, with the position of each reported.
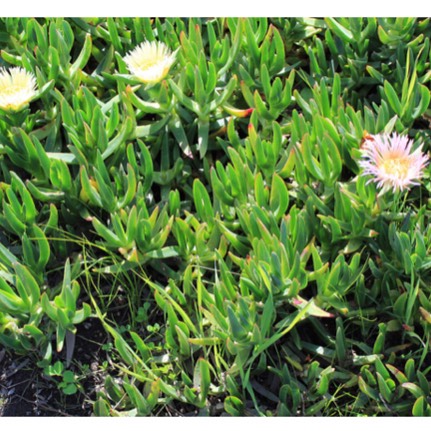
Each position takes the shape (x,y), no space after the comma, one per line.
(395,166)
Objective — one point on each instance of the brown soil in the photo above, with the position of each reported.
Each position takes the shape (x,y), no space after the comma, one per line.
(25,391)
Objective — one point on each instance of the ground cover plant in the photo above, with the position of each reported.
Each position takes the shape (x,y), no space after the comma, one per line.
(215,216)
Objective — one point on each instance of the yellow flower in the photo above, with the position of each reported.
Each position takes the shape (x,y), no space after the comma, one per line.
(17,88)
(150,61)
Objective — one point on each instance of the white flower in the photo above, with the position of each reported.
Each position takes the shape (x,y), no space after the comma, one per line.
(17,88)
(150,61)
(391,162)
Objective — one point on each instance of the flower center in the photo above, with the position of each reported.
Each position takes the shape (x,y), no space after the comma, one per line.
(13,90)
(396,166)
(148,63)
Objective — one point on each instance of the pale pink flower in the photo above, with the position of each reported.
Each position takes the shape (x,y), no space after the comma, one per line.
(391,162)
